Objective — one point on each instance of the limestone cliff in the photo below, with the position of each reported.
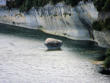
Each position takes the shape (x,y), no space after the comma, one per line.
(60,19)
(103,38)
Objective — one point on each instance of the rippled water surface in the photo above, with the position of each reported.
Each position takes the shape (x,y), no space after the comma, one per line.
(24,59)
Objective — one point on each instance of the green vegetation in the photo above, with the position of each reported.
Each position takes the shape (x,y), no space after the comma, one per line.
(107,52)
(25,5)
(97,25)
(102,6)
(102,24)
(106,6)
(107,60)
(107,63)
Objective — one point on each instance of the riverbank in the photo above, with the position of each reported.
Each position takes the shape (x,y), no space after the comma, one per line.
(24,59)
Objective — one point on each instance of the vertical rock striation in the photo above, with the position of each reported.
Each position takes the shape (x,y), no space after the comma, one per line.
(60,19)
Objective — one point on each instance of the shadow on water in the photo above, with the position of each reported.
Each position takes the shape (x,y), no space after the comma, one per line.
(83,47)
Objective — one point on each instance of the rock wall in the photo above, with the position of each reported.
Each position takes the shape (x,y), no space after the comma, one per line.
(103,38)
(60,19)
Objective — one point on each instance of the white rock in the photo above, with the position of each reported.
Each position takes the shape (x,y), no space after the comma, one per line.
(53,44)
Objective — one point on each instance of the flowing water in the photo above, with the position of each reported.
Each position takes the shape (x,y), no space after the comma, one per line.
(24,59)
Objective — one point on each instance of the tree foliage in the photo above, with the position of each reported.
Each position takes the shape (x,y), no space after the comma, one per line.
(106,6)
(102,24)
(107,62)
(107,59)
(25,5)
(102,5)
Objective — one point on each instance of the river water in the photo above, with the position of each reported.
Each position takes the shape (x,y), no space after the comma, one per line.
(24,59)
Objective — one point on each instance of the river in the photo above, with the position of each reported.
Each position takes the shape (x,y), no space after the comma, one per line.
(24,58)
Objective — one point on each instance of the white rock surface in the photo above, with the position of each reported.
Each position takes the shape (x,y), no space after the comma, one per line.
(52,40)
(60,19)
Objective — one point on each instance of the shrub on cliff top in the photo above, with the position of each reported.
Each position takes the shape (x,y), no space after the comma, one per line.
(25,5)
(102,5)
(106,6)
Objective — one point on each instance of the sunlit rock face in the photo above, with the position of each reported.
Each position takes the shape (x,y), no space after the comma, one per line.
(60,19)
(53,44)
(103,38)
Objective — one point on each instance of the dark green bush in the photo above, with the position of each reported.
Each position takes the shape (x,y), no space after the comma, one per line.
(99,4)
(106,6)
(107,59)
(25,5)
(107,62)
(97,26)
(102,25)
(108,52)
(102,5)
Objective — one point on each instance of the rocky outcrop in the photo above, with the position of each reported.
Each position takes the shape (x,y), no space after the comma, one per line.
(103,38)
(53,44)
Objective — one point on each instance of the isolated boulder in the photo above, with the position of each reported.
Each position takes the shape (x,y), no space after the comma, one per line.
(53,44)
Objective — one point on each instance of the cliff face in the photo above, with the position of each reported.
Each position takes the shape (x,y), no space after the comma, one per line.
(71,22)
(103,38)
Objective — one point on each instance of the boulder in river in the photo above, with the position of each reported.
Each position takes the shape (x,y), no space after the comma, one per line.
(53,44)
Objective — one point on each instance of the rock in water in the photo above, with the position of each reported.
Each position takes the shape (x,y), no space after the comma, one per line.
(53,44)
